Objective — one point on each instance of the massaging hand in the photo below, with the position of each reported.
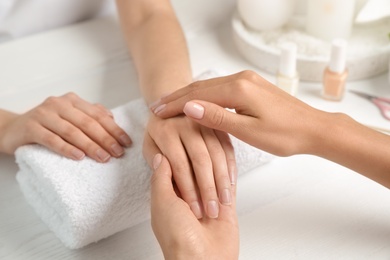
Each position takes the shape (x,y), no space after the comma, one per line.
(201,160)
(180,234)
(67,125)
(267,117)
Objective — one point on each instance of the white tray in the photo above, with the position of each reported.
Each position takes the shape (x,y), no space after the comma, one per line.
(368,51)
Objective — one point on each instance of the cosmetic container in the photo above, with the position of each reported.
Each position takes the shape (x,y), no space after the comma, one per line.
(330,19)
(265,15)
(287,77)
(335,75)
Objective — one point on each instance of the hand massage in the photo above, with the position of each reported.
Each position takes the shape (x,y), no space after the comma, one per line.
(219,165)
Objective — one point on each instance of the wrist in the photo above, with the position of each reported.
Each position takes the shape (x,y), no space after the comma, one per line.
(6,119)
(327,133)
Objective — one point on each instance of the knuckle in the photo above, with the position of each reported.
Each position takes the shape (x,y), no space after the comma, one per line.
(202,159)
(69,131)
(51,101)
(209,190)
(50,140)
(71,95)
(224,181)
(218,117)
(181,170)
(248,75)
(88,124)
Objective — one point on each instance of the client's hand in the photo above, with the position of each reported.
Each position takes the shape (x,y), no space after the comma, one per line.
(266,117)
(202,160)
(179,233)
(67,125)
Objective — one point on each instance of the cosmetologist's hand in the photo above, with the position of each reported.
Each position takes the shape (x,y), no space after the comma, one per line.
(180,234)
(68,125)
(266,117)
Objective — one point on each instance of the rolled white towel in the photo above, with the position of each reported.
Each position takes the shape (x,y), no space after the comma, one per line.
(85,201)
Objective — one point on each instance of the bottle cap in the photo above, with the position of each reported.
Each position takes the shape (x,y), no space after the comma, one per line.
(338,56)
(288,60)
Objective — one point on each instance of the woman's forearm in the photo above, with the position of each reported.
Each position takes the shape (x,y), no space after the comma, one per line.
(157,46)
(346,142)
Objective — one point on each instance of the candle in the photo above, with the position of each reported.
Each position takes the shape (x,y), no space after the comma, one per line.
(330,19)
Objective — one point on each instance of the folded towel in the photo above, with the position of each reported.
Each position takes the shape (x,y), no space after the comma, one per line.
(85,201)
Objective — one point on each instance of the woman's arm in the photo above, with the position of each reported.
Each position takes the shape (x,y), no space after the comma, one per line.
(202,160)
(157,46)
(274,121)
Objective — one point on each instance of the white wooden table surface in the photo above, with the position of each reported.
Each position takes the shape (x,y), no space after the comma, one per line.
(301,207)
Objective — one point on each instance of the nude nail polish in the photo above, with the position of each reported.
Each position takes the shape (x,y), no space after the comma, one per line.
(102,155)
(212,209)
(226,197)
(117,149)
(195,208)
(77,154)
(159,108)
(193,110)
(335,75)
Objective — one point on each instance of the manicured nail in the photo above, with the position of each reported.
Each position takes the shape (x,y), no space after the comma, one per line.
(195,207)
(194,110)
(212,209)
(226,197)
(157,161)
(233,175)
(77,154)
(117,149)
(159,108)
(102,155)
(154,104)
(125,140)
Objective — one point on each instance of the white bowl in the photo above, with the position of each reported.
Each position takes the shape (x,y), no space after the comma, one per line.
(368,51)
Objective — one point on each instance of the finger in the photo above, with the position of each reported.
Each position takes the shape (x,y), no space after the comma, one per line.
(103,108)
(76,137)
(173,149)
(56,144)
(203,170)
(150,149)
(93,130)
(230,92)
(219,165)
(195,85)
(162,191)
(228,148)
(105,118)
(216,117)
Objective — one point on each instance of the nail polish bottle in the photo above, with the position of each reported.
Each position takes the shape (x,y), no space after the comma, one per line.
(288,78)
(335,75)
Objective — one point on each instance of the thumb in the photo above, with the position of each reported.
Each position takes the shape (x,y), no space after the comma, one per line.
(214,116)
(161,183)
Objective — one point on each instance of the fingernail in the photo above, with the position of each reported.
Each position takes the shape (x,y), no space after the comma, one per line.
(102,155)
(117,149)
(77,154)
(125,140)
(159,108)
(157,161)
(195,207)
(233,175)
(154,104)
(226,197)
(109,113)
(212,209)
(194,110)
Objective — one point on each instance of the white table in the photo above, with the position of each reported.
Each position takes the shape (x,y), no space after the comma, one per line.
(301,207)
